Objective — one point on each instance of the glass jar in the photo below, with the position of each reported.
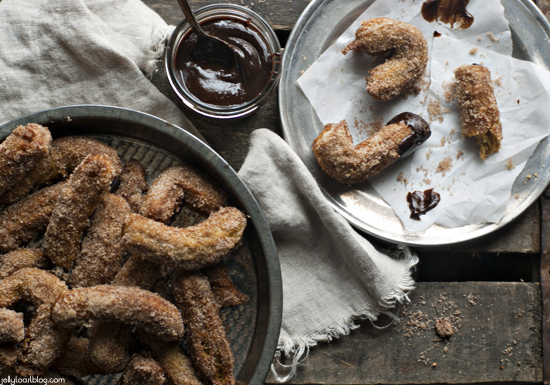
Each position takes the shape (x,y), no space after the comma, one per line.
(213,13)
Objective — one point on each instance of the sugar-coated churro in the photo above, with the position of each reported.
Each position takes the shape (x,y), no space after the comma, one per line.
(20,258)
(65,155)
(101,251)
(176,364)
(110,345)
(349,163)
(188,248)
(75,360)
(225,292)
(78,199)
(408,55)
(206,338)
(133,184)
(130,305)
(12,328)
(20,151)
(27,218)
(478,109)
(143,371)
(43,340)
(177,184)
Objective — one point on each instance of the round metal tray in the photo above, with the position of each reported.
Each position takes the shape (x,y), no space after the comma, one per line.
(321,23)
(252,328)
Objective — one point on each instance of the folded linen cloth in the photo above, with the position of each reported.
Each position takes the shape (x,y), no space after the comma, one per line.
(66,52)
(331,274)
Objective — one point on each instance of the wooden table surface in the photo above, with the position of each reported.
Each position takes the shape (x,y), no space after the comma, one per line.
(489,288)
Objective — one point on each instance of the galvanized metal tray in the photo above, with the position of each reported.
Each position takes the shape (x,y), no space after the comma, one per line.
(252,328)
(321,23)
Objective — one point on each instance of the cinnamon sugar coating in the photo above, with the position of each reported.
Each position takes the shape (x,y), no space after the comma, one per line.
(225,292)
(176,364)
(144,371)
(20,258)
(189,248)
(133,184)
(65,155)
(349,163)
(100,256)
(20,151)
(129,305)
(407,60)
(12,328)
(43,340)
(177,184)
(206,338)
(24,220)
(76,203)
(478,109)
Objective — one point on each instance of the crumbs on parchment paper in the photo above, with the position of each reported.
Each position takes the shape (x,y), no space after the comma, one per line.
(436,110)
(459,154)
(402,179)
(473,51)
(449,93)
(528,177)
(492,37)
(510,164)
(445,165)
(369,128)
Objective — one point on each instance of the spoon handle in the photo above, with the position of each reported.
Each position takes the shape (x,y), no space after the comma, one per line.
(191,17)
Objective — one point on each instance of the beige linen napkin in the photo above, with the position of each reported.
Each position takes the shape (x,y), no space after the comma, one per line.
(66,52)
(331,274)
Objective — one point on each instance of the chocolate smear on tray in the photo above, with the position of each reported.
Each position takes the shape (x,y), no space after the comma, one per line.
(420,202)
(451,12)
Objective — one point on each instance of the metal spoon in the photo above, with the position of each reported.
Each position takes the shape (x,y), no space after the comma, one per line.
(209,49)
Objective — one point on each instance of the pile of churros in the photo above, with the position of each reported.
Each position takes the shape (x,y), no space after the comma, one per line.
(113,287)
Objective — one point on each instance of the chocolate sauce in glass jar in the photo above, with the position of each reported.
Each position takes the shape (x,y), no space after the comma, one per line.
(216,84)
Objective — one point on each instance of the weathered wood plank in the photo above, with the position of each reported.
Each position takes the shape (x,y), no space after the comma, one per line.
(280,14)
(496,339)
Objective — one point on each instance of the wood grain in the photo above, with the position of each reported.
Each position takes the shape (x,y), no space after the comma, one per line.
(496,340)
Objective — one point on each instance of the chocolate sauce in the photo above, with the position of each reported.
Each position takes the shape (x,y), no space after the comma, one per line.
(420,132)
(216,84)
(448,12)
(422,202)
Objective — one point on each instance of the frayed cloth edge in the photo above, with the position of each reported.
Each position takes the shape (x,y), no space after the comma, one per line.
(298,348)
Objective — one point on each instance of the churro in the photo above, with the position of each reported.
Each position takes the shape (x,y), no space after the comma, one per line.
(177,184)
(189,248)
(20,151)
(349,163)
(100,256)
(65,155)
(12,328)
(478,109)
(143,371)
(129,305)
(225,292)
(20,258)
(27,218)
(176,364)
(79,198)
(206,338)
(43,340)
(75,360)
(407,60)
(133,184)
(110,345)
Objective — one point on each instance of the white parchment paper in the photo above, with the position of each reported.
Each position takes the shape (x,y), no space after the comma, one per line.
(472,190)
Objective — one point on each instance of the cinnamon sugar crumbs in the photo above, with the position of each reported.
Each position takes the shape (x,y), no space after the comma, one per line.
(436,110)
(445,165)
(459,154)
(510,164)
(473,51)
(492,37)
(402,179)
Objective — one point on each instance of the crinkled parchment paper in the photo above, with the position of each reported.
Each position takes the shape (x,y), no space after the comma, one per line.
(472,191)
